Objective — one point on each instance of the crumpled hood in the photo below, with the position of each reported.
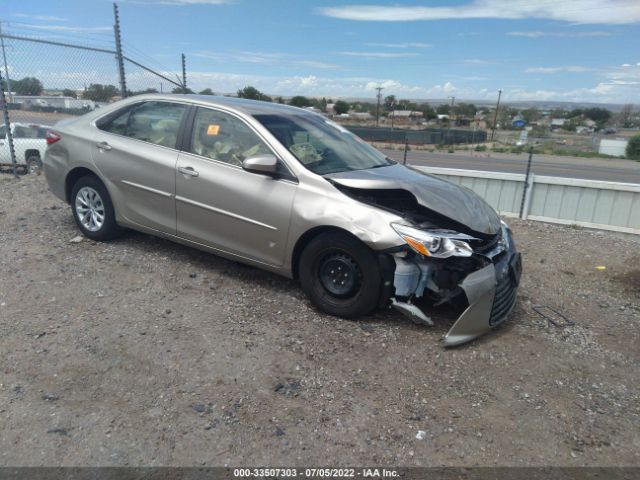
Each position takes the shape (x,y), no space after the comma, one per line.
(448,199)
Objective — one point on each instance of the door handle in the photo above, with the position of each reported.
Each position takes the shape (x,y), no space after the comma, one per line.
(103,146)
(188,171)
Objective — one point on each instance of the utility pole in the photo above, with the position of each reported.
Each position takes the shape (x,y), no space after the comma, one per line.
(379,89)
(6,69)
(393,113)
(184,74)
(119,59)
(495,116)
(453,100)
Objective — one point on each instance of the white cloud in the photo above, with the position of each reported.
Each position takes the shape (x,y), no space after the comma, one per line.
(64,28)
(378,54)
(576,11)
(567,68)
(559,34)
(44,18)
(400,45)
(270,58)
(475,61)
(179,2)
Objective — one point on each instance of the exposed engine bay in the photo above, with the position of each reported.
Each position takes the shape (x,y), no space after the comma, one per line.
(482,279)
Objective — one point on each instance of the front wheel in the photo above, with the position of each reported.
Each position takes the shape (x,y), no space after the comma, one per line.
(340,275)
(93,210)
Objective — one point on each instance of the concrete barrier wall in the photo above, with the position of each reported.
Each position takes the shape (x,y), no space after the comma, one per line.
(587,203)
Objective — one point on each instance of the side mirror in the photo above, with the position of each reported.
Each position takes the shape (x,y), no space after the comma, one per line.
(265,164)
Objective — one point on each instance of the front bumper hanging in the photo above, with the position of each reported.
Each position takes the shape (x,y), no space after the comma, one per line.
(490,292)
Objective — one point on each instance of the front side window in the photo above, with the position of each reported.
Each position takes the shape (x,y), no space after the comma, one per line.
(3,131)
(154,122)
(321,145)
(223,137)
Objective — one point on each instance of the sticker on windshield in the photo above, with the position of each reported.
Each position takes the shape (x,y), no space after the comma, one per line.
(213,130)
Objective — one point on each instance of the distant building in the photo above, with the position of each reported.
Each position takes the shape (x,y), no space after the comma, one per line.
(557,123)
(361,115)
(614,147)
(54,102)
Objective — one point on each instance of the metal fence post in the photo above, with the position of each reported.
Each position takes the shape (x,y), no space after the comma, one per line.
(119,57)
(406,149)
(184,74)
(7,123)
(525,190)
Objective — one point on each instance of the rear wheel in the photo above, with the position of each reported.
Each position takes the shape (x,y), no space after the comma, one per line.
(340,275)
(34,164)
(93,210)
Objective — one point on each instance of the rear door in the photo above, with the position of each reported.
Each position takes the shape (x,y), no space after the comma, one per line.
(223,206)
(135,150)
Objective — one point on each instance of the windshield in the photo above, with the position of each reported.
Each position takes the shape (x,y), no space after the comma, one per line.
(321,145)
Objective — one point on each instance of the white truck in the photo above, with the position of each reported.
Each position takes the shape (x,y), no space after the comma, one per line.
(29,143)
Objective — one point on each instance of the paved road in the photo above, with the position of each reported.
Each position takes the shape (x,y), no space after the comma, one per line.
(614,170)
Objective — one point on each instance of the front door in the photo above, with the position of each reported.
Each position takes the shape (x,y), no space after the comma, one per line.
(223,206)
(136,153)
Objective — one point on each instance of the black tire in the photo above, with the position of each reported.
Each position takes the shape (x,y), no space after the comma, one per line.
(34,165)
(322,268)
(109,228)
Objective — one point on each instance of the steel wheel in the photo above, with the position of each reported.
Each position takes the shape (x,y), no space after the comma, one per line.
(90,209)
(339,274)
(33,165)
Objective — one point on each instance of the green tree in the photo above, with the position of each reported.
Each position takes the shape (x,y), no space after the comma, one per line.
(206,91)
(253,93)
(390,103)
(141,92)
(100,93)
(530,115)
(633,148)
(300,101)
(341,107)
(27,86)
(427,111)
(67,92)
(182,90)
(443,109)
(465,109)
(280,100)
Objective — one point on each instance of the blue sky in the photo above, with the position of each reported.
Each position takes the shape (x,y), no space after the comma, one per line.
(572,50)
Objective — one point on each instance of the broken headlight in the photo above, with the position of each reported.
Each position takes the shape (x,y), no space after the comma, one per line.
(435,243)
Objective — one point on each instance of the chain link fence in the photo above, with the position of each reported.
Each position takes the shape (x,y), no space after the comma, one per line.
(45,80)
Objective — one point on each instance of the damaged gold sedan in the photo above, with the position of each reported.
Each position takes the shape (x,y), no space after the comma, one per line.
(292,192)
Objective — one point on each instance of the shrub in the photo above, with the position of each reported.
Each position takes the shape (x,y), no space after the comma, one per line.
(480,148)
(633,148)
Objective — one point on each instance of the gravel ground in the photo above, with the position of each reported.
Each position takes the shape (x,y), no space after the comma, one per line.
(144,352)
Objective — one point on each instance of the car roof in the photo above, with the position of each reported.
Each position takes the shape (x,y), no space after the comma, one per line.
(251,107)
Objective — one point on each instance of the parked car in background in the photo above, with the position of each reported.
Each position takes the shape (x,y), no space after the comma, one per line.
(29,143)
(289,191)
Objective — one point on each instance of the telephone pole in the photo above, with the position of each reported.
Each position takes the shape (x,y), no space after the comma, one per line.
(379,89)
(453,101)
(495,116)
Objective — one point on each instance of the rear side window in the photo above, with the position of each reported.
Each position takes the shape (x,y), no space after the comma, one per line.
(153,122)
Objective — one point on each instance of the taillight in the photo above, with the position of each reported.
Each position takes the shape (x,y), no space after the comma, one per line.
(52,137)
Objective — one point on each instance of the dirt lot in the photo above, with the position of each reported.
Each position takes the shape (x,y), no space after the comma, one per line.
(143,352)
